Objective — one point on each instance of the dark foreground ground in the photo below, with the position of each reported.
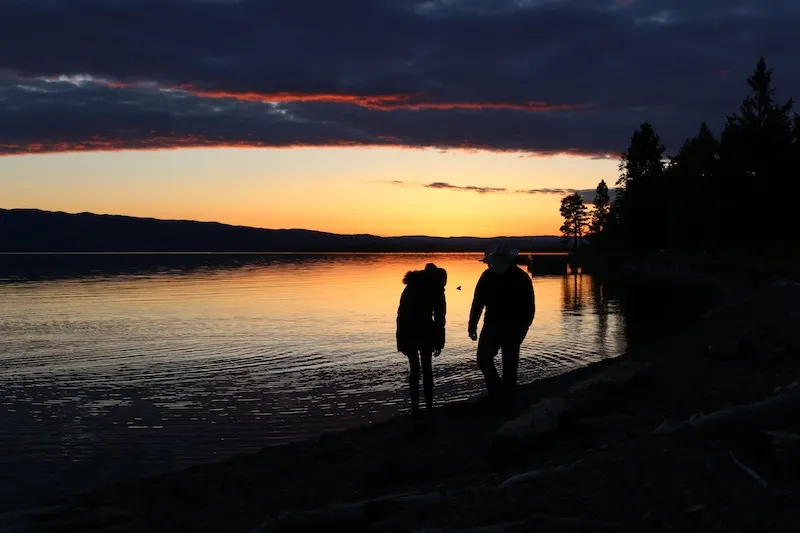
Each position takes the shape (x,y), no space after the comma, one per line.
(619,475)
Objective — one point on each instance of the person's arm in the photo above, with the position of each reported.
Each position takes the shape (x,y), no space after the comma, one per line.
(478,303)
(398,331)
(530,300)
(526,305)
(439,319)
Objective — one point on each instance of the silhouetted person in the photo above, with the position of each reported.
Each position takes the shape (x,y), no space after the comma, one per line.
(420,327)
(506,291)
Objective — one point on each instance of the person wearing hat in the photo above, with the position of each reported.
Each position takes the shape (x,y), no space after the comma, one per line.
(421,327)
(505,291)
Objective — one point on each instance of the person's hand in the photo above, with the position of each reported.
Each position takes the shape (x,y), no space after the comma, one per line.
(437,353)
(473,335)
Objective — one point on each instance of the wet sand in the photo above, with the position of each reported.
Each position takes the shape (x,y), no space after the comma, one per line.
(626,479)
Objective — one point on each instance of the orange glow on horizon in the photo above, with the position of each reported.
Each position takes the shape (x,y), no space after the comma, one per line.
(434,216)
(344,191)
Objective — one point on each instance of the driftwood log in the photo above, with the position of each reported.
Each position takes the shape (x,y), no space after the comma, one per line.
(749,471)
(591,395)
(538,474)
(542,418)
(406,510)
(358,516)
(772,413)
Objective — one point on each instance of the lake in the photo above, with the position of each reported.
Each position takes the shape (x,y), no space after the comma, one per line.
(131,365)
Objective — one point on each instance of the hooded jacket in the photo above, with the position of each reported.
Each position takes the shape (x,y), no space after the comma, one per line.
(421,314)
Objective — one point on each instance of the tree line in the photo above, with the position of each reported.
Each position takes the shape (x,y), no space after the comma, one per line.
(728,193)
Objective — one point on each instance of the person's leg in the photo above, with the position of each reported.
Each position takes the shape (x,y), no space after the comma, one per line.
(487,351)
(413,380)
(427,377)
(510,367)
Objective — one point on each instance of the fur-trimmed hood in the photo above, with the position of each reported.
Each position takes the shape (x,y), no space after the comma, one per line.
(431,276)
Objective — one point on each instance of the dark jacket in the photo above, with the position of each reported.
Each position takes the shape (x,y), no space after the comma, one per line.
(509,301)
(421,314)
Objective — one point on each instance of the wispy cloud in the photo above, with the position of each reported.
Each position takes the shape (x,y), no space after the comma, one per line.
(376,102)
(442,185)
(472,188)
(587,194)
(562,192)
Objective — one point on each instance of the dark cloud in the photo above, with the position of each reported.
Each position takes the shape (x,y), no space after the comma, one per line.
(540,76)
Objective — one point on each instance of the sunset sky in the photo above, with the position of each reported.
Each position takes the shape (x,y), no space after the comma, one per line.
(392,117)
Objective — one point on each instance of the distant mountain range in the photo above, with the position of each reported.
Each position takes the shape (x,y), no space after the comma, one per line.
(33,230)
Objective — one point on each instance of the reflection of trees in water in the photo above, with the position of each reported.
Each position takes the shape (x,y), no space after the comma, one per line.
(600,305)
(638,306)
(583,294)
(651,310)
(644,310)
(575,293)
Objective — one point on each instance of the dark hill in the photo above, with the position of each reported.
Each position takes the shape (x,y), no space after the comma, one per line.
(33,230)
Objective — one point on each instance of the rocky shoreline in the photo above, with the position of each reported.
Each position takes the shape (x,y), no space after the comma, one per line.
(651,441)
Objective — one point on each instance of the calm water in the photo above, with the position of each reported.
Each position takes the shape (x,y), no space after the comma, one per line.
(106,376)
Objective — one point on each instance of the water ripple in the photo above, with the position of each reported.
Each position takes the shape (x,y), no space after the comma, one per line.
(108,377)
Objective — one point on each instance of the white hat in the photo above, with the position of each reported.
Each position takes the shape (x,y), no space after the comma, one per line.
(501,258)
